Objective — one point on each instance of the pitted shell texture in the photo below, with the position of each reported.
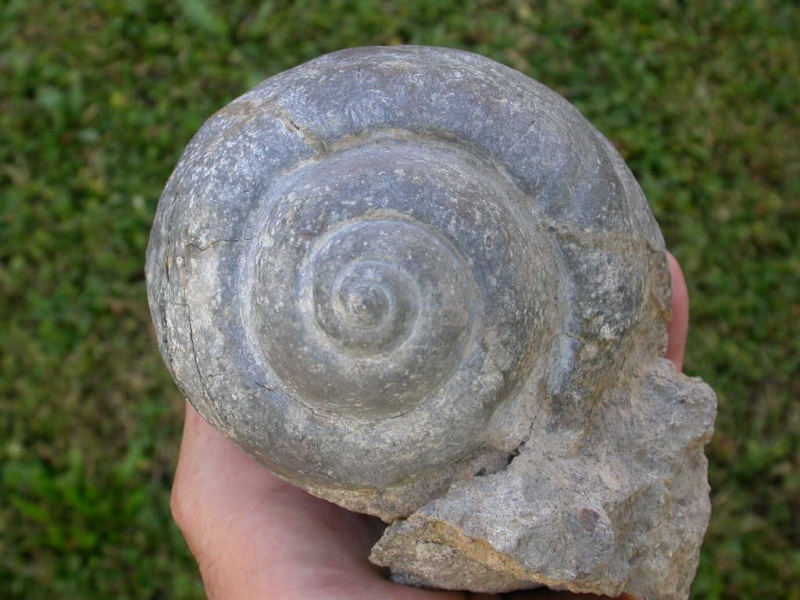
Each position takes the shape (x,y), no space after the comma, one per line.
(372,271)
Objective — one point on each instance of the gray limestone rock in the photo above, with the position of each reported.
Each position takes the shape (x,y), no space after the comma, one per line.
(421,285)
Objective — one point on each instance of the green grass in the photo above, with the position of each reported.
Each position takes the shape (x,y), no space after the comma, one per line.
(97,99)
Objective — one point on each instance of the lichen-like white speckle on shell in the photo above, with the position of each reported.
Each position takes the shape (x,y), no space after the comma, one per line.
(390,269)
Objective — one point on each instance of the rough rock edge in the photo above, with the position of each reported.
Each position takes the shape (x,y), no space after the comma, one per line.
(652,496)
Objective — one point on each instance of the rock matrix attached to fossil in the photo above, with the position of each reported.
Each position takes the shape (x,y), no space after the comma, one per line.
(421,285)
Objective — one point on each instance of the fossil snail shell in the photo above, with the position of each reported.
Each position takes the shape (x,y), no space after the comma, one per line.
(380,271)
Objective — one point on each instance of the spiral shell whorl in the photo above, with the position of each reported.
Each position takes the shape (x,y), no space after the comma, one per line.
(386,310)
(373,272)
(354,271)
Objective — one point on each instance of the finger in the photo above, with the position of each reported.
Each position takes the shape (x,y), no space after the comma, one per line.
(249,529)
(678,327)
(256,536)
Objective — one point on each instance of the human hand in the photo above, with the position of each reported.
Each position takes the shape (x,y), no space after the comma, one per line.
(257,537)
